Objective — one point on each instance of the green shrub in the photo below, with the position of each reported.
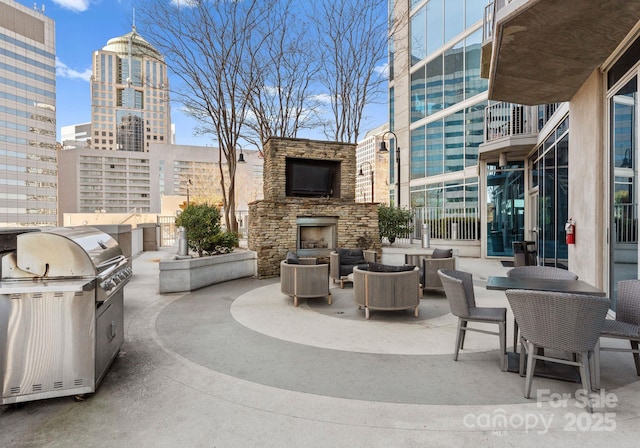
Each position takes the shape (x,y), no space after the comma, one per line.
(202,225)
(394,222)
(222,243)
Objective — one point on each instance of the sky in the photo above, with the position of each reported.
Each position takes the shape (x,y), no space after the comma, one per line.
(83,26)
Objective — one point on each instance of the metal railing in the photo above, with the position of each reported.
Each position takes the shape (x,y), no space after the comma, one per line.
(508,120)
(545,112)
(461,223)
(489,19)
(626,222)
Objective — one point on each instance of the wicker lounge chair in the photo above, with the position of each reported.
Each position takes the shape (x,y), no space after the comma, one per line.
(304,280)
(342,262)
(430,264)
(388,291)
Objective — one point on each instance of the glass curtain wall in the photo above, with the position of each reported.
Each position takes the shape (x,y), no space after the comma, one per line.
(444,72)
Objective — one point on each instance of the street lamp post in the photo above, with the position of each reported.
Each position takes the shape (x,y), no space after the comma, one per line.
(371,174)
(188,183)
(383,148)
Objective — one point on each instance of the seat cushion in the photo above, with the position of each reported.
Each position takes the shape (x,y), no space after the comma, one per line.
(620,329)
(488,313)
(442,253)
(378,267)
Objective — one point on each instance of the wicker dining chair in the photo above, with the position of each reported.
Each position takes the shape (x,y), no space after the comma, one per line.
(458,287)
(542,272)
(547,272)
(625,326)
(558,321)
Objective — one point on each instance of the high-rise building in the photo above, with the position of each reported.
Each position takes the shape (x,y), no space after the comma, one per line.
(372,179)
(124,181)
(75,132)
(28,176)
(129,96)
(437,102)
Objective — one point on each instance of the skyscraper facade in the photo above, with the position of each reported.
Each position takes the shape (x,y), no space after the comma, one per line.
(437,103)
(28,176)
(129,96)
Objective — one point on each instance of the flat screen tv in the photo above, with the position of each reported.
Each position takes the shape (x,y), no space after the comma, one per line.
(311,178)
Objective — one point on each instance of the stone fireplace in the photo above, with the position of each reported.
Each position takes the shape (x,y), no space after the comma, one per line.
(316,236)
(309,205)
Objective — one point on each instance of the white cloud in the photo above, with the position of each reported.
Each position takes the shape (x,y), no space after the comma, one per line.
(324,98)
(183,3)
(73,5)
(65,72)
(382,69)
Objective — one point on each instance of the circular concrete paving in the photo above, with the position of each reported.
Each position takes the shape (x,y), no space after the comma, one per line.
(247,329)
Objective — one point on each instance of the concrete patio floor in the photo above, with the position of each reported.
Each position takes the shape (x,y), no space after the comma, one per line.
(236,365)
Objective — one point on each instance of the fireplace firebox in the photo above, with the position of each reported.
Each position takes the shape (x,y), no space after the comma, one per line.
(316,236)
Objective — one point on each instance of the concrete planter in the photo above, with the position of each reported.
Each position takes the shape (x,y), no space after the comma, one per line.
(184,275)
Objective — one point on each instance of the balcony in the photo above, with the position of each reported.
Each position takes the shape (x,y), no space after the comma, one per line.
(511,127)
(538,52)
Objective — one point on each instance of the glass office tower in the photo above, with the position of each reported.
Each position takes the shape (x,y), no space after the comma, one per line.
(28,166)
(437,100)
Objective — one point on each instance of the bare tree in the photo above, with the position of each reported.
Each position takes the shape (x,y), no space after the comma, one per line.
(210,46)
(352,38)
(283,100)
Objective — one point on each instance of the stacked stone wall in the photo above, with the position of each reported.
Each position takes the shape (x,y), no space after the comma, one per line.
(273,222)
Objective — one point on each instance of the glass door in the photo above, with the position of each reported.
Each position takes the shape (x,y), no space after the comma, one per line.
(624,209)
(505,208)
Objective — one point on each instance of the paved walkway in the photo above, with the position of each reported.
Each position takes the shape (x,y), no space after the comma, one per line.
(236,365)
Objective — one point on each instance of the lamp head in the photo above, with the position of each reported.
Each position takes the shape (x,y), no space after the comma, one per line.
(383,146)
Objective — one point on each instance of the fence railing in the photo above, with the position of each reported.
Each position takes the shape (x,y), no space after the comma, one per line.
(490,17)
(508,120)
(626,222)
(462,223)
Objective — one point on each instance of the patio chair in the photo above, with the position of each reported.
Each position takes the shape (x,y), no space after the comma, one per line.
(458,286)
(303,278)
(430,264)
(543,272)
(547,272)
(625,326)
(387,288)
(342,262)
(558,321)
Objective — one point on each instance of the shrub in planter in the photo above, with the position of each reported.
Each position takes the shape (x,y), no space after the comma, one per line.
(222,243)
(394,222)
(202,225)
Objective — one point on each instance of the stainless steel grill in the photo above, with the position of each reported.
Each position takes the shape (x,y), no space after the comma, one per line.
(61,311)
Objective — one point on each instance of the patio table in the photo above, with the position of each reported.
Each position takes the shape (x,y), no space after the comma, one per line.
(548,370)
(540,284)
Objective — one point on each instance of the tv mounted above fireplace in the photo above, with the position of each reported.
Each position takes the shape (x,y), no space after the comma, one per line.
(312,178)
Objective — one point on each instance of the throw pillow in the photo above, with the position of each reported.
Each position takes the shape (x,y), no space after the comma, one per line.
(379,267)
(442,253)
(292,258)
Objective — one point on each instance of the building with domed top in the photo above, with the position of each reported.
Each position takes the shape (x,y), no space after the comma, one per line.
(129,96)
